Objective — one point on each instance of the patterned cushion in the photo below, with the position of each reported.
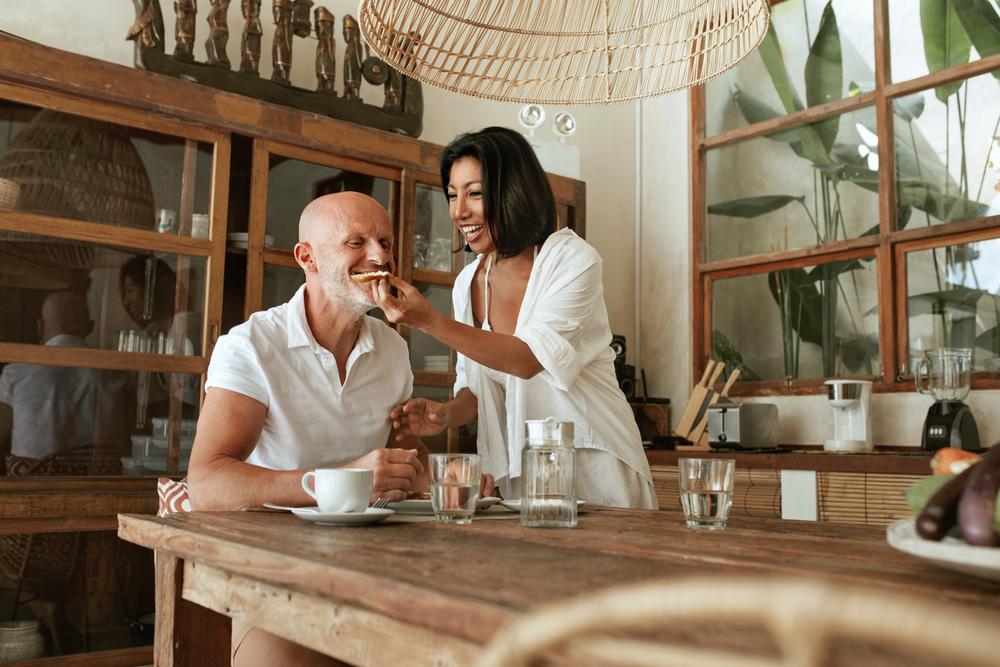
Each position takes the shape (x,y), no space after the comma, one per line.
(173,496)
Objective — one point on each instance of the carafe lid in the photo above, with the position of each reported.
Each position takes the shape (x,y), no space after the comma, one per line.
(548,429)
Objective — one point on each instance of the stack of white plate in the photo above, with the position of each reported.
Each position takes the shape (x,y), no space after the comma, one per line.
(239,240)
(436,362)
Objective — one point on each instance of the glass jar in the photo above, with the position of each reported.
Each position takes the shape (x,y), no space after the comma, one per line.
(548,475)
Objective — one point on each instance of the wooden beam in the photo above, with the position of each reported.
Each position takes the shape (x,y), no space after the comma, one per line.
(181,624)
(818,253)
(20,353)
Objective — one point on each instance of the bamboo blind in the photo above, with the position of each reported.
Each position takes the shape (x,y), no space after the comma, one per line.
(868,498)
(572,52)
(756,492)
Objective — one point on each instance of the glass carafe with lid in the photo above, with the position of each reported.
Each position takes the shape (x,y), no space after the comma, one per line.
(948,371)
(548,475)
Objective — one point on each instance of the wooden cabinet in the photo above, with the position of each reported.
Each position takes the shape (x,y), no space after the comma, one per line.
(129,185)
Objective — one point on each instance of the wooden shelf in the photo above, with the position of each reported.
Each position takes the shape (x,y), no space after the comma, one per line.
(917,462)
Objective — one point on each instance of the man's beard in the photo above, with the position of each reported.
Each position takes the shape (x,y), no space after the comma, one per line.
(341,288)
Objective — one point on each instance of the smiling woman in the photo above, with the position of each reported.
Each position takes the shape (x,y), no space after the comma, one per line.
(531,328)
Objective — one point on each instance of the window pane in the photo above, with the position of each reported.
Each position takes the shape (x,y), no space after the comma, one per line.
(843,40)
(810,322)
(86,294)
(769,193)
(947,155)
(86,588)
(74,167)
(74,421)
(292,184)
(931,36)
(280,285)
(426,352)
(953,300)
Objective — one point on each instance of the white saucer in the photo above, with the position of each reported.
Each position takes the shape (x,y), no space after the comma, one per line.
(370,515)
(424,506)
(516,504)
(951,552)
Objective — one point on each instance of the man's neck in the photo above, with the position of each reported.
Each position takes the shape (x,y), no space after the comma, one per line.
(333,328)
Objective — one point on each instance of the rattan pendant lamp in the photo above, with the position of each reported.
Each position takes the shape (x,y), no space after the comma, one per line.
(571,52)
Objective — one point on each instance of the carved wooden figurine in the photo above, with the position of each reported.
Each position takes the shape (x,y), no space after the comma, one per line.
(301,21)
(184,30)
(394,84)
(326,52)
(282,51)
(147,31)
(218,36)
(252,30)
(352,59)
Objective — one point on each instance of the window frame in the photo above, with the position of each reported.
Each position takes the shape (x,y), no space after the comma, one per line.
(889,247)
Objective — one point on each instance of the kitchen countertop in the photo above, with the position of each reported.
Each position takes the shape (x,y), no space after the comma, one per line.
(916,462)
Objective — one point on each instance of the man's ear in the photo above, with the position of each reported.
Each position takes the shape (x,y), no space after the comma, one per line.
(304,256)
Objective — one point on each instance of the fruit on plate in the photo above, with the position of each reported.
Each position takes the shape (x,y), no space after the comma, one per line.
(941,512)
(951,461)
(978,505)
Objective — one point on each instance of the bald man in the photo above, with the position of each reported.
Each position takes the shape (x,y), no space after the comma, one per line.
(308,384)
(45,409)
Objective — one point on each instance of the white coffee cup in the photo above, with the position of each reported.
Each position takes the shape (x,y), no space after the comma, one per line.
(340,490)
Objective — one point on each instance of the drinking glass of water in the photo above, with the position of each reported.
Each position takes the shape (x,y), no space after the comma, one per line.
(454,486)
(706,491)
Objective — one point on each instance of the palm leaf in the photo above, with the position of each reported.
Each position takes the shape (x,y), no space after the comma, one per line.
(825,74)
(751,207)
(979,31)
(945,42)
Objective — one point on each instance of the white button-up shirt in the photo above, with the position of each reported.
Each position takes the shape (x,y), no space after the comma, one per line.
(312,419)
(564,321)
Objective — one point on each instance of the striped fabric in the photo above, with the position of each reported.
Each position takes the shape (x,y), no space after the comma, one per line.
(173,496)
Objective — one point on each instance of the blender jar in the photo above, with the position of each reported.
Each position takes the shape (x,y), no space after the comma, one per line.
(949,373)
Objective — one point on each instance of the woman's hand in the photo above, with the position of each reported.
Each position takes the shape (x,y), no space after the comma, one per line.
(408,307)
(419,417)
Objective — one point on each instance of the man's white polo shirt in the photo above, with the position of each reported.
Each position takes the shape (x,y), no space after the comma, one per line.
(312,421)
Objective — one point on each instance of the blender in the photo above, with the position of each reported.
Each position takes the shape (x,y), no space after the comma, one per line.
(851,401)
(949,421)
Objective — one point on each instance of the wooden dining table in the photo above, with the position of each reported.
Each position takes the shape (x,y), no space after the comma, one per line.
(422,593)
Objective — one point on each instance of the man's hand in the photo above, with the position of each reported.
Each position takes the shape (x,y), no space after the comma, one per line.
(395,470)
(487,487)
(419,417)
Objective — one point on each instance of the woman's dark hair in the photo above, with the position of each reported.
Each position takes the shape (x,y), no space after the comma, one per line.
(518,205)
(164,288)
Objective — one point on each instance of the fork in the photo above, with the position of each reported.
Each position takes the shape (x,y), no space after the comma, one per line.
(380,503)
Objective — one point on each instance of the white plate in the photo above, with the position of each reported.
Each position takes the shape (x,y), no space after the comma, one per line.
(371,515)
(516,504)
(951,553)
(424,506)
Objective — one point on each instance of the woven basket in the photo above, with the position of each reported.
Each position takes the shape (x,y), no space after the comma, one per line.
(79,168)
(553,51)
(10,194)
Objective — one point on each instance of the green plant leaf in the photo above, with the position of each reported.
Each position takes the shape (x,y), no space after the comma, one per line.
(730,356)
(988,13)
(751,207)
(910,107)
(989,339)
(945,41)
(824,74)
(832,270)
(979,31)
(946,208)
(857,351)
(902,219)
(809,326)
(755,111)
(770,52)
(958,298)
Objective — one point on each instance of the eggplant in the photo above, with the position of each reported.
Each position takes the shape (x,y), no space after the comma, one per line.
(977,507)
(941,512)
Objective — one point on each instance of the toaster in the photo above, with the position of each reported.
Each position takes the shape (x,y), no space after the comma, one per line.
(743,425)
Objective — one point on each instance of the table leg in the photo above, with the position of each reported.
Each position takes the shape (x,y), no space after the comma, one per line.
(187,634)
